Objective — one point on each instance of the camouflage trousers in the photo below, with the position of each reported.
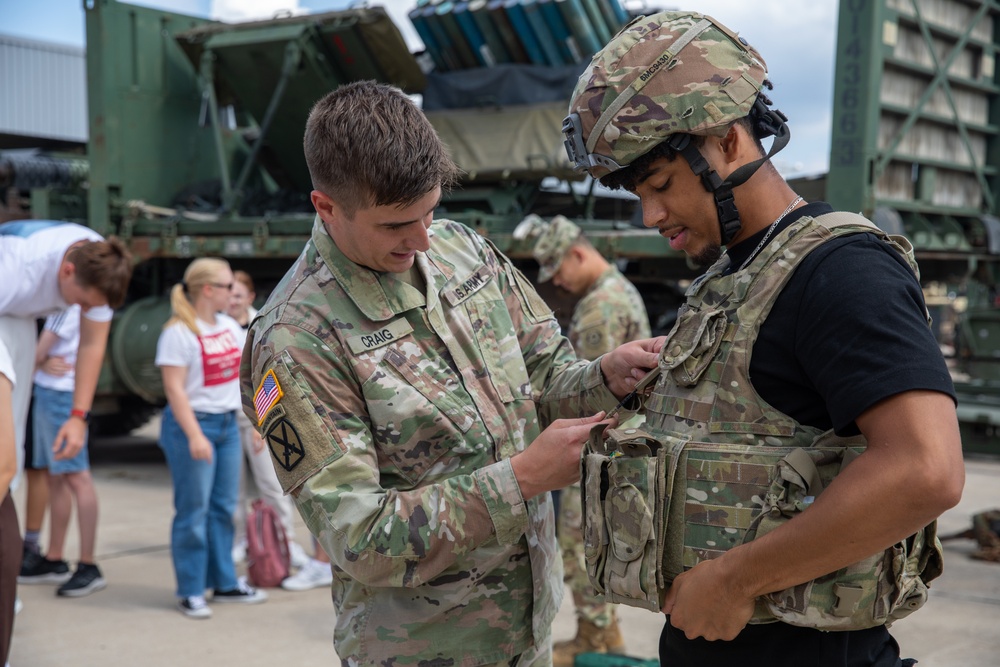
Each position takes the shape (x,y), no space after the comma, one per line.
(589,606)
(533,657)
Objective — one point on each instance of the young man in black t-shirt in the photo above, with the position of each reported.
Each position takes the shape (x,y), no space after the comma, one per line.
(672,109)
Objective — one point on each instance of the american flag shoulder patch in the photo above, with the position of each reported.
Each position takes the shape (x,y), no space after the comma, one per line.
(267,395)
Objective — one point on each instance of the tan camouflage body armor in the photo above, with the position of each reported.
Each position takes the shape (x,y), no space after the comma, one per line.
(715,466)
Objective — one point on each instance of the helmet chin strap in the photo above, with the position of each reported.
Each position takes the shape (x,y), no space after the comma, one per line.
(769,122)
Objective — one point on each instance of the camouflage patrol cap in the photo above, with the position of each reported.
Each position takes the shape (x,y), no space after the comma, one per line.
(551,245)
(663,74)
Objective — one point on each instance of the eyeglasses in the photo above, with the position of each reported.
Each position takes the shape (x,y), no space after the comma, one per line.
(225,286)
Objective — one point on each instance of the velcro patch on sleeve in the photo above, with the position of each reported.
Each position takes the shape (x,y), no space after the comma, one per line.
(268,394)
(301,443)
(285,444)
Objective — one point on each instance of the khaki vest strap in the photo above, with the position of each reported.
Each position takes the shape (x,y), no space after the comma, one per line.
(836,219)
(803,464)
(849,456)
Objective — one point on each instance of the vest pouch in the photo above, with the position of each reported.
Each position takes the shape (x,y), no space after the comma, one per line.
(874,591)
(622,509)
(593,488)
(692,344)
(716,499)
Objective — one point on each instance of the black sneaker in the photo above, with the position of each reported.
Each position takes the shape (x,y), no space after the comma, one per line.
(194,607)
(243,593)
(44,571)
(84,581)
(30,558)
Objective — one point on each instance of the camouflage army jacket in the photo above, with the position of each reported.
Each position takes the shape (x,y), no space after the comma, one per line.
(609,314)
(392,416)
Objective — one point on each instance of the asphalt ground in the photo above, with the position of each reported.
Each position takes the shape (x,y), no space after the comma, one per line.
(134,622)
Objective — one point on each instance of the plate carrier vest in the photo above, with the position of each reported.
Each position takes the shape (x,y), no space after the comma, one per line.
(715,466)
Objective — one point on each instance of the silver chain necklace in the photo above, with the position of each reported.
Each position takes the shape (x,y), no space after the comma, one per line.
(795,202)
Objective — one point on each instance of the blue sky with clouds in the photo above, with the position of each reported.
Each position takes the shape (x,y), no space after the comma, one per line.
(796,39)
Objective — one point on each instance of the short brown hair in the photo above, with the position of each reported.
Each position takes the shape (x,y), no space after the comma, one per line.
(244,277)
(367,144)
(105,266)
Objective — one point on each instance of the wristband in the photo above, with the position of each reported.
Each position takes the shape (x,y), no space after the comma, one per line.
(80,414)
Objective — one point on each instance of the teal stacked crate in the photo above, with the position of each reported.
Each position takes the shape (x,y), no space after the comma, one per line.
(614,15)
(580,26)
(545,37)
(477,42)
(460,42)
(426,35)
(601,29)
(442,39)
(498,15)
(565,41)
(519,21)
(477,10)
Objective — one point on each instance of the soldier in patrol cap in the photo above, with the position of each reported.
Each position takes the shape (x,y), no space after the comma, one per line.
(402,374)
(674,109)
(609,312)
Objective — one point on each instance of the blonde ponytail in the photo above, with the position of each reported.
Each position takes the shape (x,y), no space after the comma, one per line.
(202,271)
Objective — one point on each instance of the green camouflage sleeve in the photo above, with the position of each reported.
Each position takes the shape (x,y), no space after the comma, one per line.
(611,314)
(562,385)
(595,329)
(319,433)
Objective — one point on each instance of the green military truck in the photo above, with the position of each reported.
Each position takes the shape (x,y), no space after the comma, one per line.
(915,146)
(195,149)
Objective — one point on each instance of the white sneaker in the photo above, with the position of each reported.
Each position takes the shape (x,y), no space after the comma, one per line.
(18,605)
(312,575)
(239,551)
(194,607)
(297,555)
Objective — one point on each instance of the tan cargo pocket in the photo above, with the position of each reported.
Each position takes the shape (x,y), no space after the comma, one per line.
(594,487)
(622,509)
(691,346)
(630,513)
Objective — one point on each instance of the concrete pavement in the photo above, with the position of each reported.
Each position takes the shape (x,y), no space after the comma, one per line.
(133,622)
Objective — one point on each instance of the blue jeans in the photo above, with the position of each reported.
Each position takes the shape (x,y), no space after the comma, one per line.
(50,412)
(201,537)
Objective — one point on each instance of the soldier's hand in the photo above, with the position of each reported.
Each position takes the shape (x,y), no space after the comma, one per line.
(624,366)
(552,461)
(705,602)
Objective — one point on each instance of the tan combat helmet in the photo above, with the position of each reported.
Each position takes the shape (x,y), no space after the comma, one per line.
(551,241)
(665,77)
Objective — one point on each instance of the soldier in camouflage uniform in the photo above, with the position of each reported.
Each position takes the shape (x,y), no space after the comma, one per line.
(609,312)
(401,375)
(810,329)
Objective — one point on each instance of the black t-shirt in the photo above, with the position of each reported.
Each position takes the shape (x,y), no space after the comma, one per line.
(847,331)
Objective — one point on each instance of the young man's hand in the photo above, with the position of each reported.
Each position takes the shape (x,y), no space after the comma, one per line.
(70,438)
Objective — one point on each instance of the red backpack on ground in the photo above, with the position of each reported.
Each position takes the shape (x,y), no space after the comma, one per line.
(267,547)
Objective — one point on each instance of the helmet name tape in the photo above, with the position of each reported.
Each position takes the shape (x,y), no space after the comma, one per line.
(675,48)
(673,72)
